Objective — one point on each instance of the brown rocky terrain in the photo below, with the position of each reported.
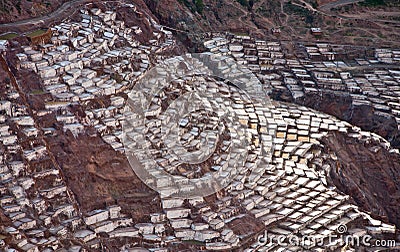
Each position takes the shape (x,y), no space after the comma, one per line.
(367,172)
(99,176)
(15,10)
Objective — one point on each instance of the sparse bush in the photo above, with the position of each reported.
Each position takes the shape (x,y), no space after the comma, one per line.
(18,6)
(244,3)
(199,5)
(373,3)
(194,5)
(314,5)
(309,19)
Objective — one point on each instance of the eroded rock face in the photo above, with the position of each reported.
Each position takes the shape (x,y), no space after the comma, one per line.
(366,171)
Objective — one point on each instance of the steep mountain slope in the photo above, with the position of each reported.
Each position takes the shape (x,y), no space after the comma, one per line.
(367,172)
(14,10)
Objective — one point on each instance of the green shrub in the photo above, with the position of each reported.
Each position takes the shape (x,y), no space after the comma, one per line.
(244,3)
(194,5)
(199,5)
(373,3)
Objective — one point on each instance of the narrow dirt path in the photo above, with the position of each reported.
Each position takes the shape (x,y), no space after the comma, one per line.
(62,11)
(327,7)
(65,10)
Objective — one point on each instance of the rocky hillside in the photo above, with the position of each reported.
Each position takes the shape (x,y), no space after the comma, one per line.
(358,23)
(367,172)
(255,17)
(14,10)
(293,18)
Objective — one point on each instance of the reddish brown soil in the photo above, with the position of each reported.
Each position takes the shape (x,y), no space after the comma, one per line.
(246,225)
(4,220)
(100,176)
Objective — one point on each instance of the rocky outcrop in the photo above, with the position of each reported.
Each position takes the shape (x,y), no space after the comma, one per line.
(368,172)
